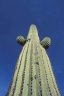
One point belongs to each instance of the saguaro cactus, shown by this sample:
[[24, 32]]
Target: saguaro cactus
[[33, 74]]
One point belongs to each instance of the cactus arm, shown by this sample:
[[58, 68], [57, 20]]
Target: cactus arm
[[46, 42]]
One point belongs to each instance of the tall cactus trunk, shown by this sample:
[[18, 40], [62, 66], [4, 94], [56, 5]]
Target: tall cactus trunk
[[33, 74]]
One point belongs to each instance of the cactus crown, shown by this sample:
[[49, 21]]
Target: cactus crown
[[46, 42]]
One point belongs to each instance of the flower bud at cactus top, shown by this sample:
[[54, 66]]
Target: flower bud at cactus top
[[21, 40], [46, 42]]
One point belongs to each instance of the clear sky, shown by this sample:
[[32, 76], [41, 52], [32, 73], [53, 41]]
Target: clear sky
[[15, 18]]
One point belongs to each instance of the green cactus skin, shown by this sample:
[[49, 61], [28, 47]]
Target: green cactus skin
[[46, 42], [33, 73], [21, 40]]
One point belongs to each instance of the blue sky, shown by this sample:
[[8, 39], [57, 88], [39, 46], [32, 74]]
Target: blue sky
[[15, 18]]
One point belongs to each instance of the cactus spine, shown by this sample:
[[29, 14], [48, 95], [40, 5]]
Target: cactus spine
[[33, 75]]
